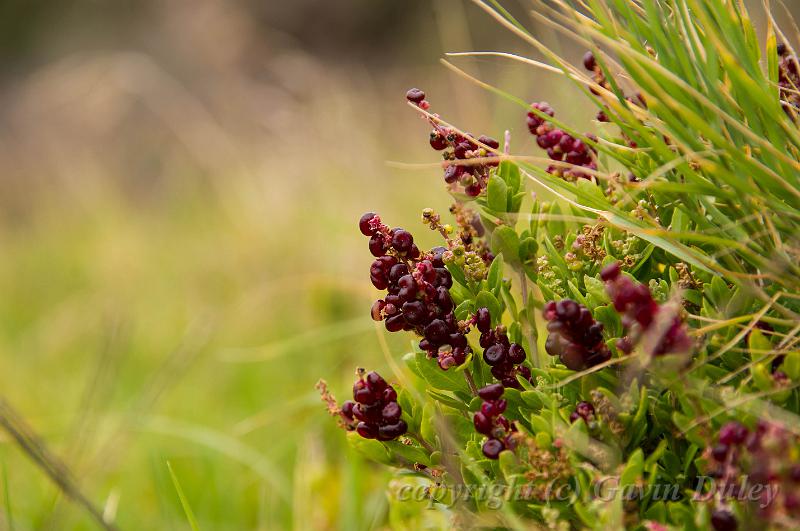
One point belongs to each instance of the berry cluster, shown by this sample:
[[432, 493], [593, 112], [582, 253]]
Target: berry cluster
[[375, 408], [788, 81], [504, 357], [584, 410], [561, 146], [639, 312], [759, 455], [468, 250], [418, 297], [590, 64], [574, 336], [490, 421], [468, 159]]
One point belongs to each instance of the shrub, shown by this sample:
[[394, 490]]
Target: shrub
[[624, 355]]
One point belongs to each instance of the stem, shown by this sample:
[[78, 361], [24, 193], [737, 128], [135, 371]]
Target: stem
[[417, 437], [32, 445], [529, 332], [470, 382]]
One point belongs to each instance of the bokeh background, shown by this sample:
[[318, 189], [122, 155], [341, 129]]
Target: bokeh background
[[180, 262]]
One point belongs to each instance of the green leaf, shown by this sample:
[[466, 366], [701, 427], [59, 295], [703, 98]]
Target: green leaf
[[596, 288], [369, 448], [497, 194], [465, 309], [506, 241], [494, 278], [187, 509], [539, 424], [509, 172], [758, 344], [791, 365], [430, 371], [527, 250], [413, 454], [633, 469]]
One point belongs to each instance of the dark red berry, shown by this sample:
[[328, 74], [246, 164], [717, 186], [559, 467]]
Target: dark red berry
[[516, 354], [391, 412], [494, 355], [438, 141], [584, 409], [436, 332], [610, 272], [363, 224], [491, 392], [375, 382], [347, 409], [483, 320], [567, 310], [492, 448], [389, 394], [368, 431], [720, 452], [395, 323], [473, 190], [483, 424], [732, 433], [589, 61], [415, 95], [377, 245], [723, 520], [415, 312], [375, 312], [489, 141], [392, 431], [402, 240], [364, 396]]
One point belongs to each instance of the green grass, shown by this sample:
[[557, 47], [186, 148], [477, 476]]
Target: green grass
[[133, 335]]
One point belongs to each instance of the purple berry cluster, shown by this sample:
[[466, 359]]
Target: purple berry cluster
[[561, 146], [375, 408], [468, 160], [574, 336], [760, 455], [788, 80], [639, 310], [583, 410], [590, 64], [490, 421], [505, 358], [418, 297]]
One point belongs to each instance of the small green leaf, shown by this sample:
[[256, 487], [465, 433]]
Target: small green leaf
[[369, 448], [758, 345], [506, 241], [596, 288], [465, 309], [509, 172], [497, 194], [633, 469], [413, 454], [791, 365], [430, 371], [494, 278]]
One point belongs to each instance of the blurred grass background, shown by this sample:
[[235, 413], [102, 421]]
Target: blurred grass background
[[179, 257]]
